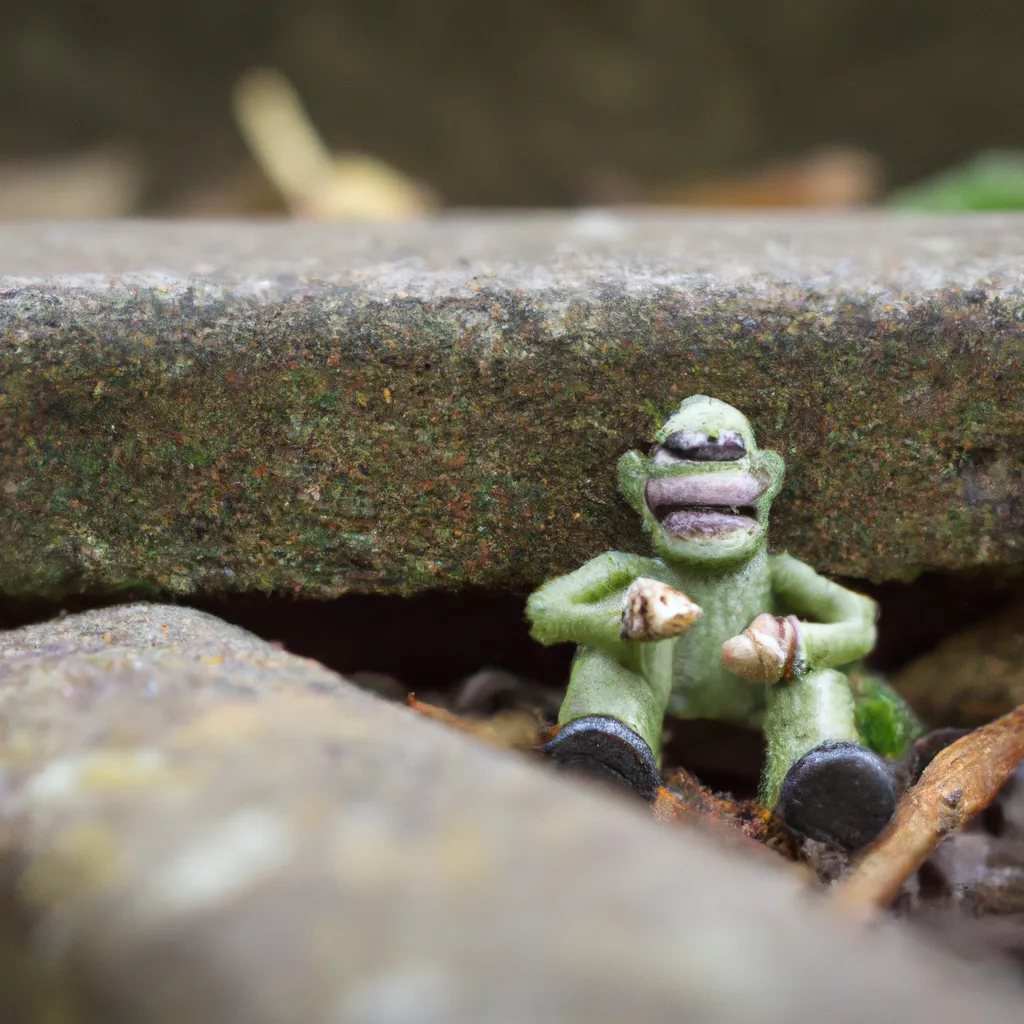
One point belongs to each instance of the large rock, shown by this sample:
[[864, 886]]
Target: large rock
[[220, 833], [321, 409]]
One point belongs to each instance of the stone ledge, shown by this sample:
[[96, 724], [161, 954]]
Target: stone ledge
[[238, 835], [224, 407]]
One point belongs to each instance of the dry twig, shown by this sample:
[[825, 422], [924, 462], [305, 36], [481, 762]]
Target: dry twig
[[960, 782]]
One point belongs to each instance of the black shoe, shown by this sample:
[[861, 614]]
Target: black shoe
[[605, 749], [838, 793]]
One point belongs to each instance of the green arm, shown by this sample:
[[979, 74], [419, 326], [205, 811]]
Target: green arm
[[844, 630], [585, 607]]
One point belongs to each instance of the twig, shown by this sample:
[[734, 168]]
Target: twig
[[960, 782]]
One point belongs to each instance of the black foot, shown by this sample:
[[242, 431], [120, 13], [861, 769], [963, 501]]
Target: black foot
[[604, 748], [838, 793]]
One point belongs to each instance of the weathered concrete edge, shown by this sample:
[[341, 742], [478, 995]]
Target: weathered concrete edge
[[403, 417]]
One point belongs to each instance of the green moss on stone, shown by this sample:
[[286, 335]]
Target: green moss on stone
[[209, 437]]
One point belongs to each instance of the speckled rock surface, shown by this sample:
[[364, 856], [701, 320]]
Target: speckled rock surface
[[140, 625], [322, 409], [202, 836]]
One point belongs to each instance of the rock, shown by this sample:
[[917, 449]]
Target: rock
[[136, 625], [533, 114], [318, 410], [972, 677], [189, 834]]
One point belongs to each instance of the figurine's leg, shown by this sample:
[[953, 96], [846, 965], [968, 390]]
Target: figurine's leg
[[818, 777], [611, 721]]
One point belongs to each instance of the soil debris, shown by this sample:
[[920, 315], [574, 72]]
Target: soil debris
[[508, 730], [960, 782]]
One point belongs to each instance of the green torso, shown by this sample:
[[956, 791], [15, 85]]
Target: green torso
[[730, 599]]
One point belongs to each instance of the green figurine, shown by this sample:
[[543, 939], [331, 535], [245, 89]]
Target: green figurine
[[715, 627]]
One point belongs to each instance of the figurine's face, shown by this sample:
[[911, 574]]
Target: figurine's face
[[705, 489]]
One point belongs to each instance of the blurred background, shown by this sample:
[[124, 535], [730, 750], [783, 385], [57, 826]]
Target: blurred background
[[342, 108]]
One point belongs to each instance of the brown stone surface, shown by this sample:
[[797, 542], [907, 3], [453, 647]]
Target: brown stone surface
[[972, 677], [197, 834], [318, 409]]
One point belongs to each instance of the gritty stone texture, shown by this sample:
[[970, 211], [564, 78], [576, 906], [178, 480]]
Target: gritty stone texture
[[208, 838], [322, 409]]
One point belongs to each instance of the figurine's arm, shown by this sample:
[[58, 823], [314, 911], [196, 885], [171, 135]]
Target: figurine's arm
[[773, 648], [844, 626], [585, 607]]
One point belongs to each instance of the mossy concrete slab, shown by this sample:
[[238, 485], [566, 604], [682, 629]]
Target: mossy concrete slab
[[210, 830], [320, 409]]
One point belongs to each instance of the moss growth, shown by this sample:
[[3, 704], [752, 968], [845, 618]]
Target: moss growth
[[882, 717], [343, 442]]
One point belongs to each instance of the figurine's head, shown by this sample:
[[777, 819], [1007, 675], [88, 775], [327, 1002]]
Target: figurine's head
[[705, 489]]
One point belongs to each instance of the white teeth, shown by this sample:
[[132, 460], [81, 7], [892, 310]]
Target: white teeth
[[652, 610]]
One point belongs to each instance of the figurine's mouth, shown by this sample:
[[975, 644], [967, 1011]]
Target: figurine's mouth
[[705, 505]]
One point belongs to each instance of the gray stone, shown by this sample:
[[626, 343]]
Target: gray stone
[[138, 625], [322, 409], [204, 836]]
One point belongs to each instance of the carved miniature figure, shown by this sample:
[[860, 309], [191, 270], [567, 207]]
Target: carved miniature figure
[[715, 627]]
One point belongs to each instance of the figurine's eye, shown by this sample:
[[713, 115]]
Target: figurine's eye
[[726, 446]]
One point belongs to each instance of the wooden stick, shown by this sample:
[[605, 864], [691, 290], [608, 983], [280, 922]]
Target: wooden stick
[[961, 781]]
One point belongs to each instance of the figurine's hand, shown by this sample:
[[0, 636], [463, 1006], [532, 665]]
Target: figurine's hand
[[765, 652], [652, 610]]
